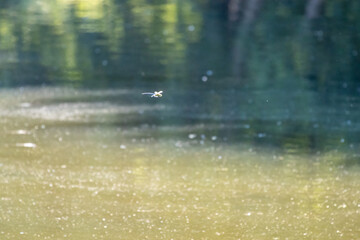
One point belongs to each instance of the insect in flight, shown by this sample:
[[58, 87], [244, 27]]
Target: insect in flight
[[154, 94]]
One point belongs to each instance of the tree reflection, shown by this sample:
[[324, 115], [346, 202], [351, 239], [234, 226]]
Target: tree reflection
[[296, 55]]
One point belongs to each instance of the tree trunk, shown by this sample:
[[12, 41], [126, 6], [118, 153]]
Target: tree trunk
[[313, 8], [250, 11], [234, 8], [252, 8]]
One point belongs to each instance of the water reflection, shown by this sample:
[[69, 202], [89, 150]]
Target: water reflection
[[257, 136], [260, 122]]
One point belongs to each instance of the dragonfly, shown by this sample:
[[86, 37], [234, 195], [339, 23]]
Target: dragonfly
[[154, 94]]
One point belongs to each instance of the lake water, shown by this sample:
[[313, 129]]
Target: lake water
[[255, 137]]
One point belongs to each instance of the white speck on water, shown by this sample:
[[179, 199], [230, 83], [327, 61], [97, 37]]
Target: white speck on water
[[192, 135], [191, 28], [26, 145], [25, 105], [214, 138], [21, 233], [21, 132], [248, 214], [178, 144], [342, 205], [220, 157], [209, 73], [122, 146], [204, 78], [63, 166], [261, 135], [342, 140]]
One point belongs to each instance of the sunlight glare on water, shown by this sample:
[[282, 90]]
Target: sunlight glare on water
[[84, 173], [256, 136]]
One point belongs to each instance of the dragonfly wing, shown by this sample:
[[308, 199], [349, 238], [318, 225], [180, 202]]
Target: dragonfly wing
[[147, 93]]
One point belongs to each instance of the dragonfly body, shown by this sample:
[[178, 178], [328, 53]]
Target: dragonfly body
[[154, 94]]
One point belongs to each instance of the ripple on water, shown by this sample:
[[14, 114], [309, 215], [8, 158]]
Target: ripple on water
[[26, 145], [20, 132]]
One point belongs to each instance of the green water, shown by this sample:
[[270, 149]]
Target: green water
[[69, 171], [255, 137]]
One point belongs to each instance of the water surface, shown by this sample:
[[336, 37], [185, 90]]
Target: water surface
[[256, 136], [76, 169]]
